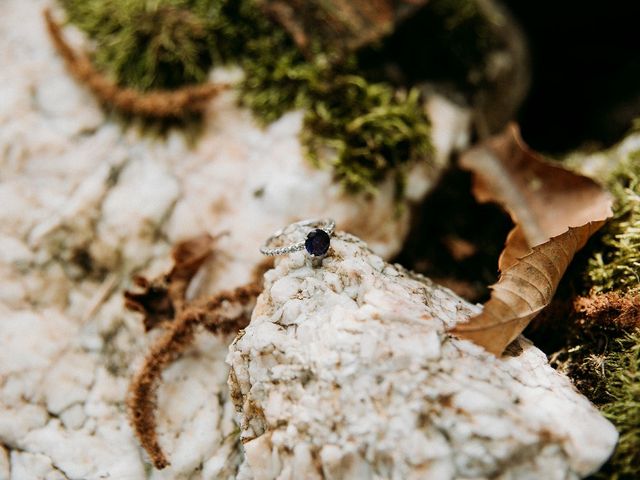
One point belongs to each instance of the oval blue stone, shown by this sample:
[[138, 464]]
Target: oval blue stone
[[317, 242]]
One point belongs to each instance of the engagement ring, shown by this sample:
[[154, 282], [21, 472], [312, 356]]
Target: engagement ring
[[318, 238]]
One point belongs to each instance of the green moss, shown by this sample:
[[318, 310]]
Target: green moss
[[615, 266], [371, 128], [603, 352], [147, 44], [602, 358], [368, 128], [622, 380]]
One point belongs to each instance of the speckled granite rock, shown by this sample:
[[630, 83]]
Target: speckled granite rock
[[346, 372], [87, 201]]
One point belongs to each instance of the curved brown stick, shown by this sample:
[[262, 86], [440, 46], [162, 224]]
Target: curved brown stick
[[155, 104], [142, 401], [143, 389]]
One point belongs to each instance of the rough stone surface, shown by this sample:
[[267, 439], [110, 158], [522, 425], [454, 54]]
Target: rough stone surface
[[86, 201], [346, 371]]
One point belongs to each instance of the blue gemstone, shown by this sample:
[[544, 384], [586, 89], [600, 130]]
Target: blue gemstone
[[317, 242]]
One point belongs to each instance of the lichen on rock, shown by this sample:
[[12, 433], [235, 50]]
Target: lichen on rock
[[346, 371]]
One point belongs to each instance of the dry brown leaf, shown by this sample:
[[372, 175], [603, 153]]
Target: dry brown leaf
[[555, 212]]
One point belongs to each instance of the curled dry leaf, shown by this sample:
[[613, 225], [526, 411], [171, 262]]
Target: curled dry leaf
[[555, 212]]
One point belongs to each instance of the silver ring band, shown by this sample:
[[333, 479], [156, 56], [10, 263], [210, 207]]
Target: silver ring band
[[328, 225]]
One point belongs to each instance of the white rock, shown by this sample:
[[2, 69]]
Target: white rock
[[68, 381], [92, 453], [17, 421], [30, 341], [4, 463], [29, 466], [359, 379], [85, 203], [599, 164]]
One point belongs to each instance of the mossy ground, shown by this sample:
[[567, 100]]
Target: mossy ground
[[174, 34], [622, 378], [614, 267], [598, 344]]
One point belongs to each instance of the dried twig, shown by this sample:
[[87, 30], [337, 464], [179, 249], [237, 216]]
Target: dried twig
[[180, 335], [155, 104], [143, 388], [163, 304]]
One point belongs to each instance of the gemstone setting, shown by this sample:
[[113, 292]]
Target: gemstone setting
[[317, 242]]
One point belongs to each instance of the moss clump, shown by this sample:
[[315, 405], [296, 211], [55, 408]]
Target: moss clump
[[147, 44], [602, 357], [365, 129], [623, 387], [616, 265], [370, 128], [603, 350]]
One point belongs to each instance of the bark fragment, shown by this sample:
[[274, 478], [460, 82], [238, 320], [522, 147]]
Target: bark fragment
[[610, 310], [162, 297]]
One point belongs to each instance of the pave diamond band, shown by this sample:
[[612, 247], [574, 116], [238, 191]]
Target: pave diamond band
[[316, 242]]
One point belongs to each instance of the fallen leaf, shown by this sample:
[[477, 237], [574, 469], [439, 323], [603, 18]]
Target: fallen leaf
[[555, 212]]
